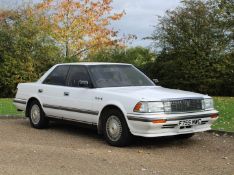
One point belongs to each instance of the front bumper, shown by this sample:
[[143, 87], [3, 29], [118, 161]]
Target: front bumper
[[20, 104], [142, 125]]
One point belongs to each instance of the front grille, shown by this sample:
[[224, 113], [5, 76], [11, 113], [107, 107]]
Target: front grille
[[186, 105]]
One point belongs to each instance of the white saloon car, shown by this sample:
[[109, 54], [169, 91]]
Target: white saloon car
[[116, 98]]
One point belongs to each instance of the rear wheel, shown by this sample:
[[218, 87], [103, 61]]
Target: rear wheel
[[115, 128], [37, 116], [184, 136]]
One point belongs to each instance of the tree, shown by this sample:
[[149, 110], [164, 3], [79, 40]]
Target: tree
[[79, 25], [139, 56], [25, 51], [194, 42]]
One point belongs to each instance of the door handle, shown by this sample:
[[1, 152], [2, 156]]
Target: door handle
[[66, 93], [40, 90]]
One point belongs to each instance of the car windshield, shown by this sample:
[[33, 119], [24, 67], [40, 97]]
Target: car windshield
[[118, 76]]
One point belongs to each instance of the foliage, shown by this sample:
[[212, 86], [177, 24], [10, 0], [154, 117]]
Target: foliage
[[25, 51], [138, 56], [196, 47], [37, 36], [79, 26], [195, 43]]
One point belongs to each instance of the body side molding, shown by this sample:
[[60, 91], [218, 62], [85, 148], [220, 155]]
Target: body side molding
[[86, 111]]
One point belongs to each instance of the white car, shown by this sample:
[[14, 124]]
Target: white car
[[116, 98]]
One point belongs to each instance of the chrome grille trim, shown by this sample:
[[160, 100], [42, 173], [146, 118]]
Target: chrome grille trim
[[185, 105]]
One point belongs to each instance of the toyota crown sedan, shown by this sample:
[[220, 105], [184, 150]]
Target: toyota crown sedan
[[118, 99]]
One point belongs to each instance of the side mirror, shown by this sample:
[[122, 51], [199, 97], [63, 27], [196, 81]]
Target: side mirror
[[155, 81], [83, 83]]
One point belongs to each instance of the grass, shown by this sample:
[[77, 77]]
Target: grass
[[8, 109], [225, 106]]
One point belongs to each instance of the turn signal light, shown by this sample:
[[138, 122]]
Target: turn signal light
[[159, 121], [214, 115], [137, 107]]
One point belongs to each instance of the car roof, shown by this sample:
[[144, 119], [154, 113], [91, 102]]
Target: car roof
[[93, 63]]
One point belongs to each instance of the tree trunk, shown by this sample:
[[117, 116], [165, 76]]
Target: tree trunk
[[67, 54]]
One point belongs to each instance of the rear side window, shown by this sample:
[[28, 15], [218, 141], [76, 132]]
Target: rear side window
[[78, 74], [57, 76]]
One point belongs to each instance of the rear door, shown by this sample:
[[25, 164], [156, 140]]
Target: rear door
[[51, 91]]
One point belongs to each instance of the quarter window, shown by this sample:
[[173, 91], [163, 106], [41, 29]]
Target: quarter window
[[57, 76]]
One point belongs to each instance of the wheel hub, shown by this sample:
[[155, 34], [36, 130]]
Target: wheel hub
[[113, 128], [35, 114]]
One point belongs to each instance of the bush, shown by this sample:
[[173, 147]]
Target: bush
[[25, 51]]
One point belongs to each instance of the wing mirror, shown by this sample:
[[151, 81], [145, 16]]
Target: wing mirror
[[83, 83], [155, 81]]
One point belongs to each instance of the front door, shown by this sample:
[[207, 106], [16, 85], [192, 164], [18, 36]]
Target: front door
[[79, 96]]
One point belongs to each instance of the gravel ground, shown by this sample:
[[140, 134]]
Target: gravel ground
[[67, 149]]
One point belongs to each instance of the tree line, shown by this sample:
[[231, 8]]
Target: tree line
[[196, 43], [192, 45]]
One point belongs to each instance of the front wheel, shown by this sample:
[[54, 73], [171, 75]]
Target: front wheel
[[116, 130], [37, 116]]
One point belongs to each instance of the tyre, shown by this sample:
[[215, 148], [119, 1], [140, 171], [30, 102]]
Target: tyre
[[115, 129], [37, 116], [184, 136]]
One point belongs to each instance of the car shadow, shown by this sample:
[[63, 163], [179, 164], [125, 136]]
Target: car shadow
[[88, 132], [77, 129], [162, 142], [91, 133]]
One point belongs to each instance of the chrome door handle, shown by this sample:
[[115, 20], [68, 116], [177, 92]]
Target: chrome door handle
[[66, 93]]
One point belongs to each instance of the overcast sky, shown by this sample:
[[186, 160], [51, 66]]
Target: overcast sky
[[141, 16], [139, 19]]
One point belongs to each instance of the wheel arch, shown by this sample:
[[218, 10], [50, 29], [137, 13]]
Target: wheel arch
[[106, 108], [28, 104]]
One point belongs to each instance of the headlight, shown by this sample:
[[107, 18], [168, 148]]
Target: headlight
[[150, 107], [167, 106], [208, 103]]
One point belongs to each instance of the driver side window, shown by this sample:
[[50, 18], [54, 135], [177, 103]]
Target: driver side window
[[78, 77]]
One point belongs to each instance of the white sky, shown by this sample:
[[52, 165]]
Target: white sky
[[141, 16], [139, 19]]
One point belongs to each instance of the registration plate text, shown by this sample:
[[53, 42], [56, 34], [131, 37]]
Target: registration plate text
[[190, 122]]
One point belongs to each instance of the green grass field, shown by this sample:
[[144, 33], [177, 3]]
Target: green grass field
[[225, 106], [8, 109]]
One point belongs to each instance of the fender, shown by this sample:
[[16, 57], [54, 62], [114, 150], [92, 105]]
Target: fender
[[118, 105], [36, 97]]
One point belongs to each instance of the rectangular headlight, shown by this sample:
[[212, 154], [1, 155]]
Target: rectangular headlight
[[155, 107], [208, 104]]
